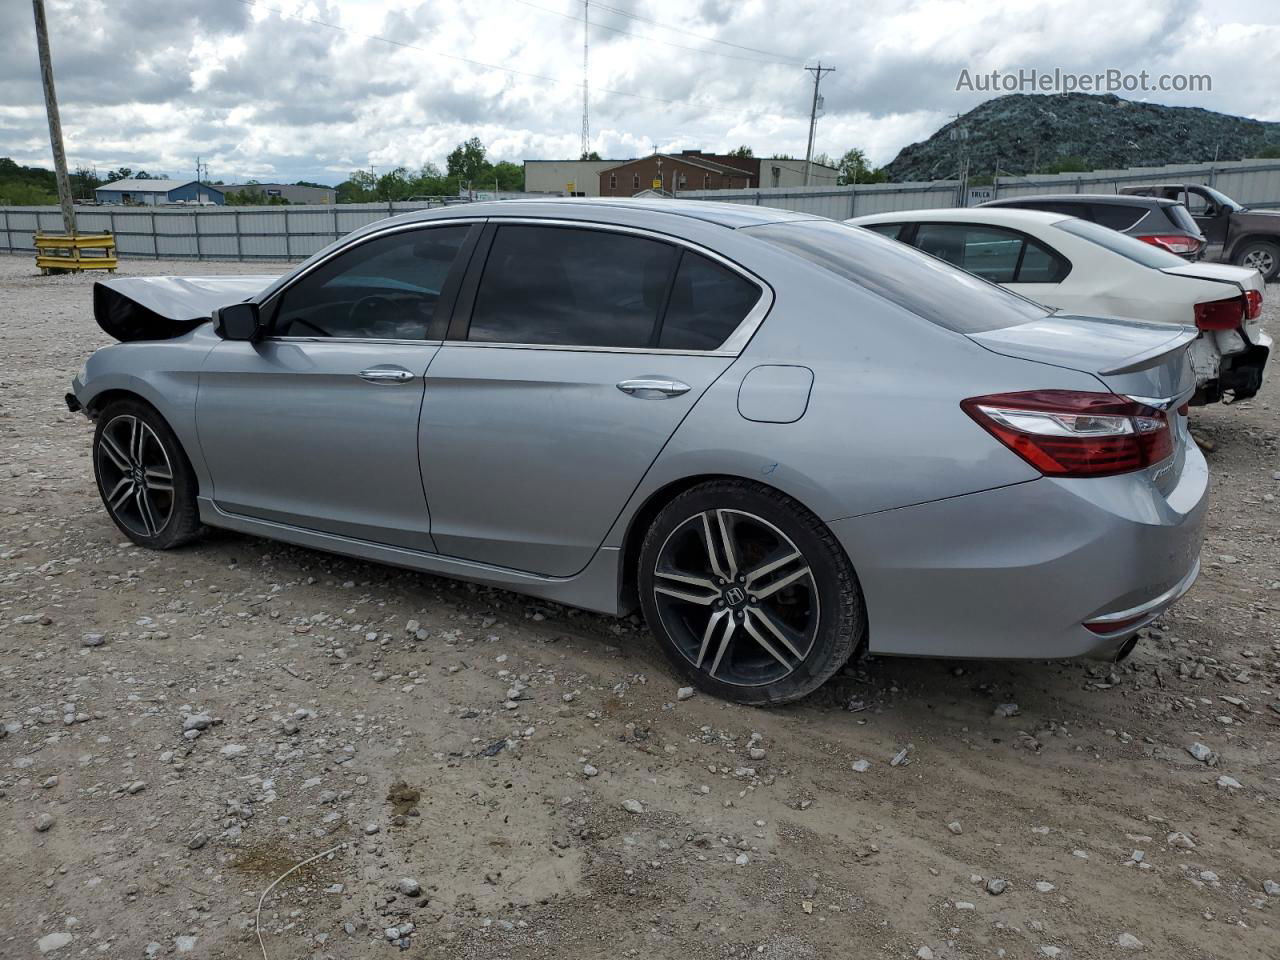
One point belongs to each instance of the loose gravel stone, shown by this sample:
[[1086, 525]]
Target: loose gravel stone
[[43, 822], [633, 806]]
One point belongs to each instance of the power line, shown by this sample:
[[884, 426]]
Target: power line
[[737, 46], [668, 43], [448, 56]]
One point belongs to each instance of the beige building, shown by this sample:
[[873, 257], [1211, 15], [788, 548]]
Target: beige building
[[561, 178]]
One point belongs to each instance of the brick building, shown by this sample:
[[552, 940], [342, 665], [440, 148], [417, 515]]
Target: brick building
[[695, 170], [687, 170]]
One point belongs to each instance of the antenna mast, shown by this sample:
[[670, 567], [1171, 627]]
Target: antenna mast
[[586, 123]]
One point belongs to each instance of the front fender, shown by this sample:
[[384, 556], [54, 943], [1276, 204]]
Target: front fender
[[165, 374]]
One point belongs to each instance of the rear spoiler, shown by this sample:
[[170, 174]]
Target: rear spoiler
[[161, 308], [1152, 357]]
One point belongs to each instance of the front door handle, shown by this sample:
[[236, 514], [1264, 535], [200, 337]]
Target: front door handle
[[653, 388], [387, 375]]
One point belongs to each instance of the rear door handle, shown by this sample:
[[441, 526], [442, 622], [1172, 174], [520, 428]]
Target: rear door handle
[[387, 375], [653, 388]]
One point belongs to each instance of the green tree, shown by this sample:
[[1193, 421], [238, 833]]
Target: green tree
[[83, 182], [467, 161], [1068, 165], [591, 155], [123, 173], [742, 151]]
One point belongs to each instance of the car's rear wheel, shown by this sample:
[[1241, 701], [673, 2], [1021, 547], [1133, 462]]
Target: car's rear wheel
[[749, 594], [146, 483], [1260, 255]]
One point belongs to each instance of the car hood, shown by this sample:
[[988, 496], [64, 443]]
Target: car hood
[[1270, 219], [160, 308]]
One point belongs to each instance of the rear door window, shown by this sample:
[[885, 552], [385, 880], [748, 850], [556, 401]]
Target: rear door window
[[993, 253], [568, 286]]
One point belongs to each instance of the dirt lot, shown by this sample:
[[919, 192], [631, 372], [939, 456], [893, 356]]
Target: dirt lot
[[469, 751]]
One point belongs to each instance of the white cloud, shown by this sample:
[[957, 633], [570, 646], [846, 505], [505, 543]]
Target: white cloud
[[153, 83]]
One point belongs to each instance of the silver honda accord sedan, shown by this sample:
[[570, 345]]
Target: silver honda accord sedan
[[782, 438]]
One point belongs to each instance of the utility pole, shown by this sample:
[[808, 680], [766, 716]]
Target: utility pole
[[55, 124], [817, 72], [586, 123]]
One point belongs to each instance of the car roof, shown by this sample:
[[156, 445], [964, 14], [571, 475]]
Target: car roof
[[1007, 216], [1123, 198], [731, 215]]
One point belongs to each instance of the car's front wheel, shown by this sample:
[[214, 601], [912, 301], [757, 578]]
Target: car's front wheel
[[749, 594], [1260, 255], [146, 483]]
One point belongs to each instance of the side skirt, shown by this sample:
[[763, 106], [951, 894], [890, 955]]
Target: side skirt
[[596, 588]]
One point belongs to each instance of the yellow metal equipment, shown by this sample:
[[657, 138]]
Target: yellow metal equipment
[[59, 253]]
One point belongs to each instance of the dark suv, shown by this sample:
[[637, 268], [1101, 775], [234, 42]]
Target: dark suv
[[1235, 234], [1154, 220]]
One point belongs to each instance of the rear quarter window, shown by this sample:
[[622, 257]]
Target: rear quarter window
[[932, 289]]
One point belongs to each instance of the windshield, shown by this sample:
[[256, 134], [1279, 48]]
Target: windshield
[[1222, 200], [1121, 243], [928, 287]]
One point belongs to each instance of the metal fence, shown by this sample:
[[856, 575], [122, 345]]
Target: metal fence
[[204, 233], [1255, 183], [840, 203], [296, 232]]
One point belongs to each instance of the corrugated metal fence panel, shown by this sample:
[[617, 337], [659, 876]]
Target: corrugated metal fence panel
[[840, 203], [296, 232]]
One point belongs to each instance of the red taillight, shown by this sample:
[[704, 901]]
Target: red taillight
[[1070, 433], [1177, 243], [1252, 304], [1220, 314]]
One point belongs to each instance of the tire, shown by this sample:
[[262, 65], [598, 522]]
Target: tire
[[768, 625], [1261, 255], [134, 448]]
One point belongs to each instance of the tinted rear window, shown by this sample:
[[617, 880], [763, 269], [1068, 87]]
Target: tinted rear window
[[929, 288], [1181, 217], [1117, 216], [1123, 244]]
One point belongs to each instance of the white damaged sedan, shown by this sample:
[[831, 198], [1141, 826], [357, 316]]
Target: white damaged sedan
[[1076, 266]]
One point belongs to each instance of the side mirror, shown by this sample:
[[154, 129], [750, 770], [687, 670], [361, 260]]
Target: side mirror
[[238, 321]]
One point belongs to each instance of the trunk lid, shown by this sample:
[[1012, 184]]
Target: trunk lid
[[1131, 357], [1238, 277], [160, 308]]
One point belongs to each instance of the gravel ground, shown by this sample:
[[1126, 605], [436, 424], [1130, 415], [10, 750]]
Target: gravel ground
[[507, 778]]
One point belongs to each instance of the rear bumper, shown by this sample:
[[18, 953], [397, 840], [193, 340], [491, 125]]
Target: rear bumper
[[1016, 572]]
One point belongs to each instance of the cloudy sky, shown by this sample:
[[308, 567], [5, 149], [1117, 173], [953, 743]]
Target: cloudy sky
[[312, 89]]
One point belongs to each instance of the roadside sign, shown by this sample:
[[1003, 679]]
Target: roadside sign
[[656, 184], [571, 188], [979, 195]]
